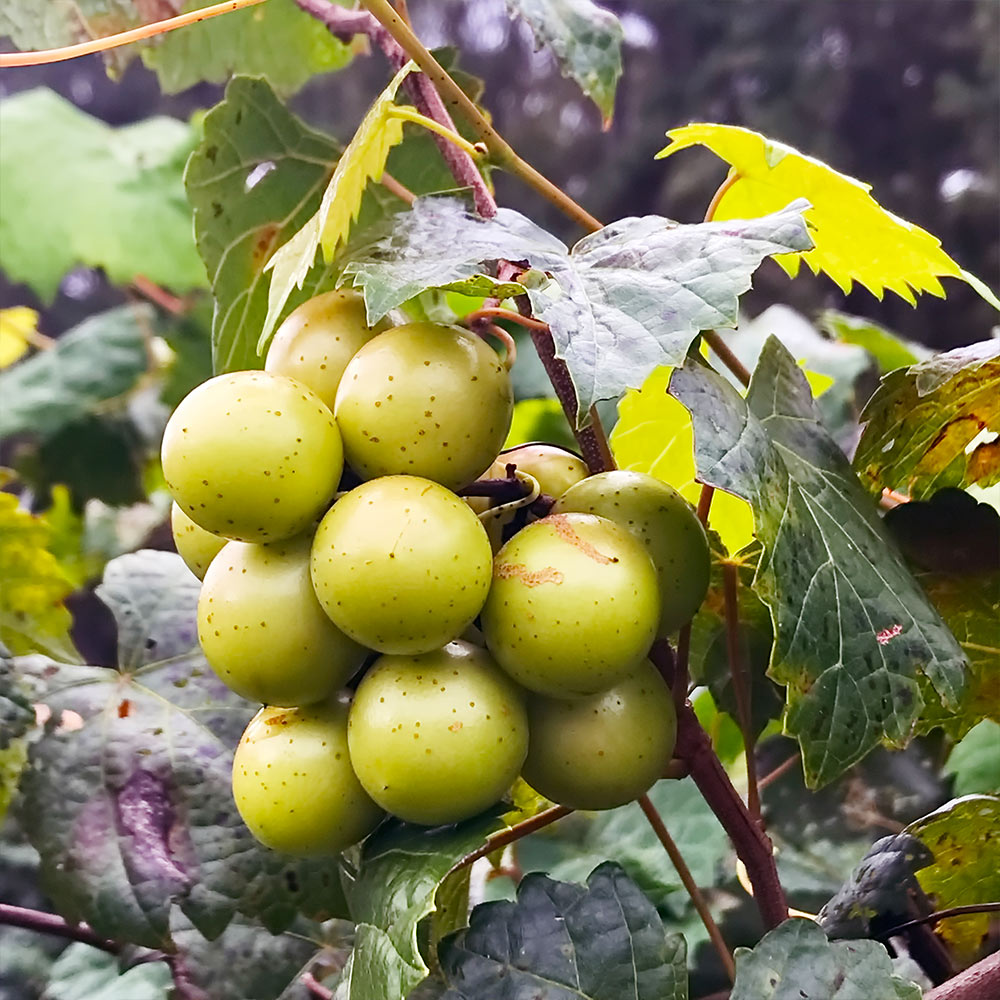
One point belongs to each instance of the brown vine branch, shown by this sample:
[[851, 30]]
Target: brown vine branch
[[10, 59], [741, 680], [52, 923], [511, 835], [677, 859], [979, 982]]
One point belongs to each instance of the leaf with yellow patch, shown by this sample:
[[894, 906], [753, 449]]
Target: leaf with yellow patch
[[17, 326], [363, 160], [856, 239], [33, 617]]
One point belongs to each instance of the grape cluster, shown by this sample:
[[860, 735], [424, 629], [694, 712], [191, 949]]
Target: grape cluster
[[416, 650]]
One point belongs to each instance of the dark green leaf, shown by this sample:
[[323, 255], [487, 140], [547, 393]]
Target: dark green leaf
[[276, 40], [74, 190], [586, 39], [795, 961], [133, 812], [853, 630], [626, 299], [925, 422], [975, 761], [566, 942], [887, 348], [393, 889], [96, 361]]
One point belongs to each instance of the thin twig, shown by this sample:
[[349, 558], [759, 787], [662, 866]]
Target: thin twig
[[713, 206], [662, 834], [933, 918], [401, 191], [168, 302], [52, 923], [9, 59], [782, 769], [511, 835], [315, 987], [705, 503], [741, 679], [495, 312], [725, 354]]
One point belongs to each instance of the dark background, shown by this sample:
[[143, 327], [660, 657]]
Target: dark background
[[904, 94]]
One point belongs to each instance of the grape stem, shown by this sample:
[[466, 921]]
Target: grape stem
[[51, 923], [511, 835]]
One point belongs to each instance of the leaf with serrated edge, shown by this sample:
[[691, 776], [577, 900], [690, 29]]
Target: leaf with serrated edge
[[133, 219], [853, 630], [923, 422], [133, 812], [964, 839], [586, 41], [796, 960], [625, 299], [604, 941], [856, 239], [363, 160]]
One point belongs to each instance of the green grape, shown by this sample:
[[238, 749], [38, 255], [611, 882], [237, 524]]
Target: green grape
[[605, 750], [667, 526], [263, 631], [317, 339], [196, 546], [294, 785], [555, 468], [438, 737], [424, 400], [252, 456], [573, 607], [401, 564]]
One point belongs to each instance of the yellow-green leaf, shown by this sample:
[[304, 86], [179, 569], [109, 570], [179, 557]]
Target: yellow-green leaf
[[33, 617], [363, 160], [17, 325], [654, 435], [856, 239]]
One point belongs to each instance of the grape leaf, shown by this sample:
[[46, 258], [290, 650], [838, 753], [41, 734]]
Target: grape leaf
[[363, 160], [975, 761], [51, 152], [853, 630], [856, 239], [567, 942], [100, 359], [33, 617], [391, 891], [276, 40], [924, 422], [133, 812], [585, 39], [962, 835], [85, 973], [624, 300], [795, 961], [18, 325], [887, 348]]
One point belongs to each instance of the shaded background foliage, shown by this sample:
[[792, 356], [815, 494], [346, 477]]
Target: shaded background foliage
[[902, 93]]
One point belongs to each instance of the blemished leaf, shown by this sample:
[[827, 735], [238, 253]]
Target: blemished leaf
[[586, 40], [100, 359], [572, 848], [887, 348], [276, 40], [256, 176], [33, 617], [561, 941], [853, 630], [962, 836], [52, 151], [975, 761], [363, 160], [624, 300], [856, 239], [934, 424], [795, 961], [17, 326], [391, 891], [133, 812]]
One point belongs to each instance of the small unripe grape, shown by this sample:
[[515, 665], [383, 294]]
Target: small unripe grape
[[424, 400], [573, 606], [605, 750], [252, 456], [437, 738], [317, 339], [263, 631], [667, 526], [294, 785], [555, 468], [196, 546], [401, 564]]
